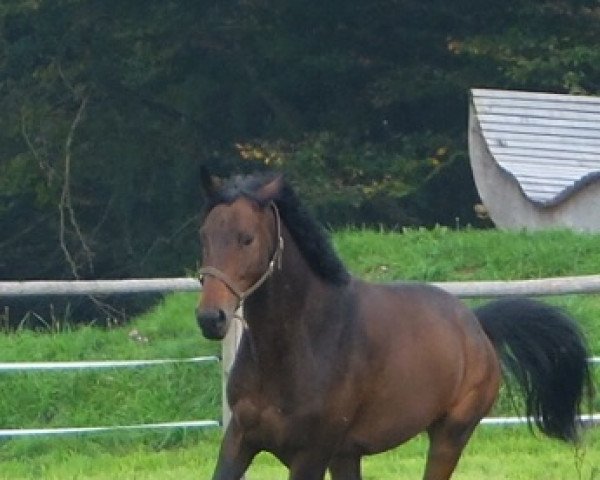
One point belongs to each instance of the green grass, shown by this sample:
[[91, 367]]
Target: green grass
[[493, 453], [443, 254], [190, 391], [114, 396]]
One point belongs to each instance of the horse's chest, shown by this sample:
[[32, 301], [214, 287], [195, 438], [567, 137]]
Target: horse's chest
[[271, 427]]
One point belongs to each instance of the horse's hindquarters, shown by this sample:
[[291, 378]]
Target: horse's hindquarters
[[428, 360]]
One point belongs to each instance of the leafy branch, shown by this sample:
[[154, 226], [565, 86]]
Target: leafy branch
[[65, 207]]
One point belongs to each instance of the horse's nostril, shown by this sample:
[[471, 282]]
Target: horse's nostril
[[212, 322], [211, 316]]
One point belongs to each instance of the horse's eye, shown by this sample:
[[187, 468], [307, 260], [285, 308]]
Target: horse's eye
[[245, 239]]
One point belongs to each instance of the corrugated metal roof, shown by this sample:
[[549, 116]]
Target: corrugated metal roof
[[549, 142]]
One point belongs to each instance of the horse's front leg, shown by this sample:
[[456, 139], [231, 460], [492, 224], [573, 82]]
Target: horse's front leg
[[345, 468], [235, 455], [309, 465]]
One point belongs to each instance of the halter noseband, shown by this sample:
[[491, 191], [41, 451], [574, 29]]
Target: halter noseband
[[275, 261]]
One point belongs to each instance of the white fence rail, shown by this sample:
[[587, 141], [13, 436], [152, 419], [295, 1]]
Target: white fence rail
[[82, 365], [480, 289], [29, 432]]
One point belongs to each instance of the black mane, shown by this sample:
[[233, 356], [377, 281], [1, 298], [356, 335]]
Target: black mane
[[310, 237]]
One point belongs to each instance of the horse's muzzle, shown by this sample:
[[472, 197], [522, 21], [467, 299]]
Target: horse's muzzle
[[213, 323]]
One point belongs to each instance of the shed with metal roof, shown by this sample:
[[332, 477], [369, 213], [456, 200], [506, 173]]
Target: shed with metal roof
[[536, 158]]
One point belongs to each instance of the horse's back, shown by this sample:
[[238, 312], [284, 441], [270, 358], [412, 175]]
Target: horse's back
[[415, 316], [426, 351]]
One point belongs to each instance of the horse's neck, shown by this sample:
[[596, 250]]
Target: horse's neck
[[279, 313]]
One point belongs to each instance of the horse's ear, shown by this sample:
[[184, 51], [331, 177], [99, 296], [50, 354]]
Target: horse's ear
[[210, 183], [271, 189]]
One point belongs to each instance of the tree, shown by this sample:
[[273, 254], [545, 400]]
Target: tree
[[110, 107]]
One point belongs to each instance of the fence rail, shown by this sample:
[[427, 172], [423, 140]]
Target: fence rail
[[101, 364], [29, 432], [534, 287], [542, 286], [95, 364], [482, 289], [99, 287]]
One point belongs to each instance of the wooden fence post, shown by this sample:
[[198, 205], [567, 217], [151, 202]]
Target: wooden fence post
[[230, 346]]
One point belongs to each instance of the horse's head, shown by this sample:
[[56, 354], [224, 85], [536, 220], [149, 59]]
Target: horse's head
[[241, 243]]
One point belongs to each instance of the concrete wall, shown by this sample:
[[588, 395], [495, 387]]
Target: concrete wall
[[508, 206]]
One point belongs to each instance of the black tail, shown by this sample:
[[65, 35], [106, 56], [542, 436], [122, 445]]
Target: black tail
[[544, 350]]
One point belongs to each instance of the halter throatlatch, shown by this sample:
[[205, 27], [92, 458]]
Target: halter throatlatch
[[242, 295]]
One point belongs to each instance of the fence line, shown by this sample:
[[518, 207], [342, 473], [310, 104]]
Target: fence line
[[26, 432], [98, 287], [591, 418], [481, 289], [533, 287], [101, 364], [539, 286], [97, 364]]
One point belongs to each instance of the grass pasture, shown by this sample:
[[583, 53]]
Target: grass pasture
[[493, 454], [185, 392]]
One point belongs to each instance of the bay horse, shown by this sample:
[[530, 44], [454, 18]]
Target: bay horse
[[331, 368]]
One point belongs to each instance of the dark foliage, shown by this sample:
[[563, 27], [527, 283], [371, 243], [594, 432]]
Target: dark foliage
[[110, 108]]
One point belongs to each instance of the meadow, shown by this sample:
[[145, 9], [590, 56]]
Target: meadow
[[191, 391]]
